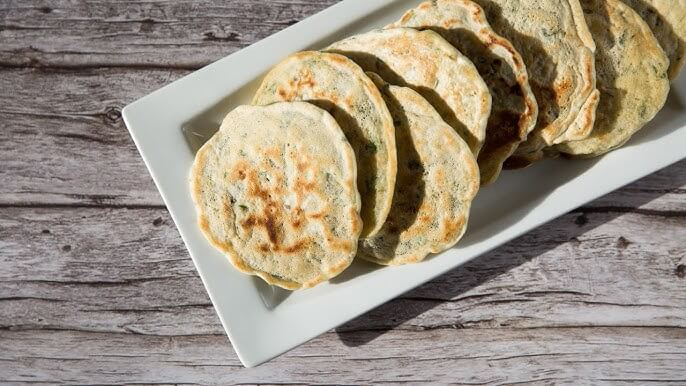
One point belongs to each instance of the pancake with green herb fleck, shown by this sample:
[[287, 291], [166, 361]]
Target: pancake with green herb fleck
[[437, 179], [553, 39], [463, 24], [425, 62], [336, 84], [632, 76], [275, 191], [667, 20]]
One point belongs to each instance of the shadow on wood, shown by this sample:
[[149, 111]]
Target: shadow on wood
[[366, 328]]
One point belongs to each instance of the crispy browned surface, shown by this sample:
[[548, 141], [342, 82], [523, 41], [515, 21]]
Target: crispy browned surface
[[275, 191], [335, 83]]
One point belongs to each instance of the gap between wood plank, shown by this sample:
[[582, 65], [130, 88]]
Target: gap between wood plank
[[47, 67], [95, 205], [83, 205], [372, 329]]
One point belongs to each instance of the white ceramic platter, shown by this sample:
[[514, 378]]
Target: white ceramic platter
[[263, 321]]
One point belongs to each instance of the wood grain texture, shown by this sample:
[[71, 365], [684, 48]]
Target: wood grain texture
[[97, 162], [142, 34], [49, 253], [97, 287], [486, 356], [69, 282], [85, 123]]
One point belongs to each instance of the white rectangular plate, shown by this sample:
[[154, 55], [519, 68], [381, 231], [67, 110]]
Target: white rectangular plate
[[263, 321]]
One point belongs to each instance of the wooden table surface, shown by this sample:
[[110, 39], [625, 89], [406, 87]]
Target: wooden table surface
[[97, 287]]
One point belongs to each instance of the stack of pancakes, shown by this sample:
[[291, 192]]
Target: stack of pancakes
[[376, 145]]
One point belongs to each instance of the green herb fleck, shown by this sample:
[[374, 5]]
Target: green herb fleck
[[547, 33], [642, 111]]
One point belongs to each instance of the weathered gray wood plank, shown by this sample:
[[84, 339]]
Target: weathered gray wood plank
[[119, 270], [544, 356], [91, 265], [85, 124], [73, 147], [177, 34]]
